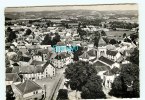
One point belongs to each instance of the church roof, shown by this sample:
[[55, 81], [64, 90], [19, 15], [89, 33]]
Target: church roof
[[92, 52], [101, 42], [84, 55]]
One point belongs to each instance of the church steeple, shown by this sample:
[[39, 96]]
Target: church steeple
[[101, 42]]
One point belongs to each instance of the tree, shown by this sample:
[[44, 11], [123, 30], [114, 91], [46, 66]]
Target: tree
[[106, 39], [103, 33], [28, 32], [124, 35], [96, 38], [9, 93], [77, 53], [126, 85], [83, 77], [134, 58], [113, 41], [93, 89], [62, 94], [11, 35], [49, 40]]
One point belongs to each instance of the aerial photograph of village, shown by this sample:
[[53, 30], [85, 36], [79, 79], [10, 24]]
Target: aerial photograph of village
[[72, 52]]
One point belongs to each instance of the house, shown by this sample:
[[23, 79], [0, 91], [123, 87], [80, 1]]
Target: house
[[90, 55], [38, 71], [49, 70], [25, 61], [14, 64], [45, 54], [28, 90], [126, 60], [61, 59], [111, 54], [37, 57], [12, 78]]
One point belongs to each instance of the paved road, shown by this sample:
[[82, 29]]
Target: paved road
[[51, 84]]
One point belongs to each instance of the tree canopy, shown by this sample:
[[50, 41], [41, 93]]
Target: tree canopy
[[48, 40], [134, 58], [126, 85], [83, 77], [113, 41], [62, 94]]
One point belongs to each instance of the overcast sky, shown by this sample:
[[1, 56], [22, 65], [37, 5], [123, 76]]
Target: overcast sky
[[84, 7]]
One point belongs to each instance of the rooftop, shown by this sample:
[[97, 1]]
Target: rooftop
[[84, 56], [101, 42], [111, 52], [100, 66], [28, 86], [106, 60], [25, 59], [12, 77]]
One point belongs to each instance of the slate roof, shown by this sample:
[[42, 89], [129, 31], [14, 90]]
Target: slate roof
[[28, 86], [61, 44], [15, 69], [12, 77], [30, 69], [62, 56], [110, 52], [25, 59], [46, 64], [106, 60], [9, 69], [100, 66], [34, 62], [92, 60], [84, 56], [92, 52]]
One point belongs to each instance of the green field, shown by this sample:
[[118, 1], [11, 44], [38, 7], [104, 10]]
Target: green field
[[118, 33]]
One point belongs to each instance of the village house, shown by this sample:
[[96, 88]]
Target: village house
[[28, 90], [12, 78], [111, 54], [25, 61], [61, 59], [37, 57], [45, 54], [37, 70]]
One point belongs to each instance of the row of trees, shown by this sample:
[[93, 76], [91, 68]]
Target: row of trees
[[116, 24], [83, 77]]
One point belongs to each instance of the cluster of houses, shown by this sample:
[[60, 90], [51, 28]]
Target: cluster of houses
[[28, 60]]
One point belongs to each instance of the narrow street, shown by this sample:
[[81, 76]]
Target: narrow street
[[52, 85]]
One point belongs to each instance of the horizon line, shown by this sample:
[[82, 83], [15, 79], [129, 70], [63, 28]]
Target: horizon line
[[71, 7]]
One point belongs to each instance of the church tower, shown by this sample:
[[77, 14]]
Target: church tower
[[101, 48]]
